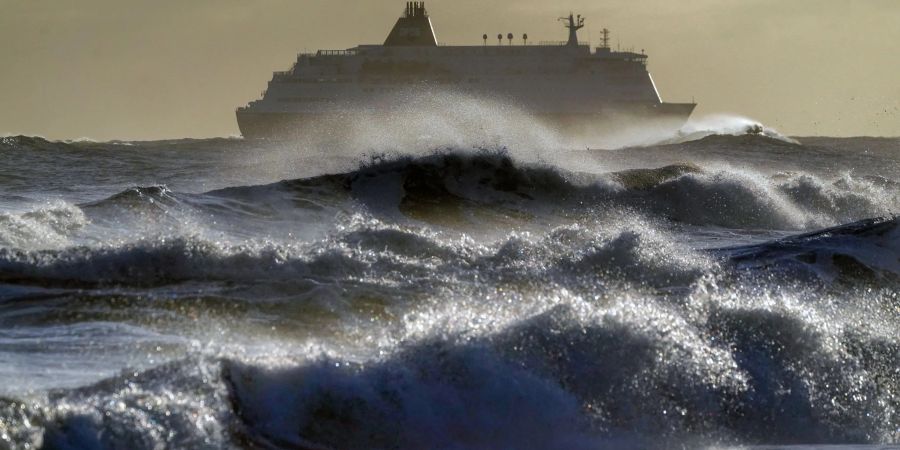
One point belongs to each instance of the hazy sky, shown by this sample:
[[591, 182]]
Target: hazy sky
[[178, 68]]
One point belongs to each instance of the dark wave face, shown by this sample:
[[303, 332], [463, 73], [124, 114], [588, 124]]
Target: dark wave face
[[712, 290]]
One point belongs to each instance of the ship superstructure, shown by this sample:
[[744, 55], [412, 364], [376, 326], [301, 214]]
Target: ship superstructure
[[567, 84]]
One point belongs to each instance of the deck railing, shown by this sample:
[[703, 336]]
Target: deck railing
[[561, 43]]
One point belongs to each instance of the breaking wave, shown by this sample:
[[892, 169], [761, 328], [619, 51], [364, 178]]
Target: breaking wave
[[48, 226], [456, 183], [726, 126], [577, 373], [178, 237], [368, 249], [684, 193], [455, 299]]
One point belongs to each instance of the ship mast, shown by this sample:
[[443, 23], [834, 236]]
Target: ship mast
[[604, 38], [573, 24]]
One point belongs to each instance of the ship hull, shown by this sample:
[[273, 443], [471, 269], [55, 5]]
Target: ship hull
[[286, 126]]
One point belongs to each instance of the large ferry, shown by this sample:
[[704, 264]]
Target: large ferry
[[566, 85]]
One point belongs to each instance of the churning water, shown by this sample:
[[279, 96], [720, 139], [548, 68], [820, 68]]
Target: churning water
[[715, 289]]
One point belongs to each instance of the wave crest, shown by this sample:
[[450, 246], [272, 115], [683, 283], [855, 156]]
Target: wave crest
[[472, 188], [865, 251]]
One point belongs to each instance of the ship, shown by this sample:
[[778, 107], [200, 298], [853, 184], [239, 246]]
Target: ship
[[567, 85]]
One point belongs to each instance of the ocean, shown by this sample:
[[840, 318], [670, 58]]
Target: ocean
[[713, 289]]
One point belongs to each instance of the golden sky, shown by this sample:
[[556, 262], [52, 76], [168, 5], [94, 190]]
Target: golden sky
[[150, 69]]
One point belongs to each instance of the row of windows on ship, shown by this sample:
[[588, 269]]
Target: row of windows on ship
[[445, 50], [439, 80], [382, 90]]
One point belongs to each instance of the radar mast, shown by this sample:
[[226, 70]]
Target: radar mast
[[604, 38]]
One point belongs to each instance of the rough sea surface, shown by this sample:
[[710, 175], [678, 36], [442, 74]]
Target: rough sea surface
[[714, 289]]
